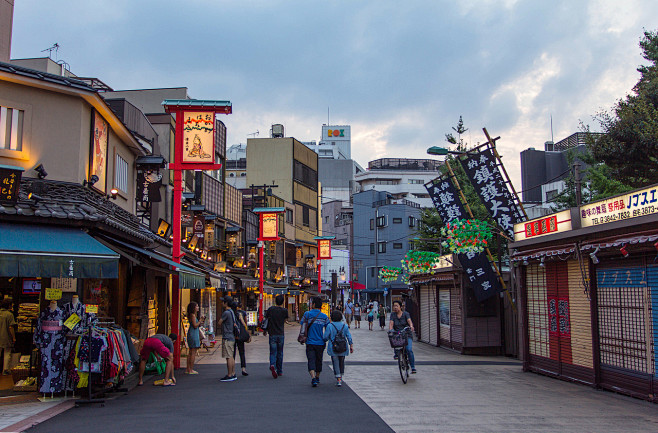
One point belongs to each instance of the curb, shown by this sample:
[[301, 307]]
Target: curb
[[39, 417]]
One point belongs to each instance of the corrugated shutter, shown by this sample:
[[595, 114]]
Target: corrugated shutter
[[580, 315], [424, 314], [625, 336], [652, 281], [538, 340], [456, 316], [433, 314], [443, 329]]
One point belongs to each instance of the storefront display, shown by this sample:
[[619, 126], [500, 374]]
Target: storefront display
[[50, 338]]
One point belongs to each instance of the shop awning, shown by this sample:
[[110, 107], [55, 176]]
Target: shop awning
[[54, 252], [358, 286], [188, 278]]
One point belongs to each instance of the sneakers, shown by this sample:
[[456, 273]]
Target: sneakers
[[228, 378], [280, 373], [339, 382], [244, 373], [395, 357], [413, 371], [274, 373], [314, 382]]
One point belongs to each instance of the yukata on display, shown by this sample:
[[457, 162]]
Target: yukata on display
[[109, 356], [50, 338]]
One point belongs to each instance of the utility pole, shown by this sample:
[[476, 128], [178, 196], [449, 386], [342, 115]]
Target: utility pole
[[577, 183], [334, 288]]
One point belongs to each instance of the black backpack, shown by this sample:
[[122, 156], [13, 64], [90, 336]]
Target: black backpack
[[340, 342]]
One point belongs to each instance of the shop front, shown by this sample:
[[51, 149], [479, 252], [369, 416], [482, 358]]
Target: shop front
[[588, 283]]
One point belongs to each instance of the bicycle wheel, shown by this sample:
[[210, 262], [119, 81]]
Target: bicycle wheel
[[403, 365]]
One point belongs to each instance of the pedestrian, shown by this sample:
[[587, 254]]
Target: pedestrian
[[239, 344], [227, 325], [337, 334], [7, 333], [399, 320], [162, 347], [357, 315], [193, 338], [316, 322], [277, 316], [349, 310], [371, 316], [381, 314]]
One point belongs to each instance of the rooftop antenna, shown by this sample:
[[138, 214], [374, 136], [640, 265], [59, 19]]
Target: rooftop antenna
[[552, 129], [254, 134], [328, 117], [50, 50]]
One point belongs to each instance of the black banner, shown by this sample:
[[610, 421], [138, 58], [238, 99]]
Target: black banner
[[148, 186], [490, 186], [10, 180], [482, 278]]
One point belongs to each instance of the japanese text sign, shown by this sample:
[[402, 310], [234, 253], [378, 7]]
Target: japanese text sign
[[324, 249], [10, 180], [489, 184], [72, 321], [91, 309], [631, 205], [53, 294], [269, 226], [555, 223], [149, 183], [198, 137]]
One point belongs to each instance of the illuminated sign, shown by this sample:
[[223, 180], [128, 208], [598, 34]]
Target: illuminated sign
[[10, 180], [623, 207], [198, 137], [443, 262], [269, 226], [335, 133], [555, 223], [324, 249]]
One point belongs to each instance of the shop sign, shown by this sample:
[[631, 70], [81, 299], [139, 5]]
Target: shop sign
[[10, 180], [444, 308], [299, 262], [148, 186], [209, 237], [623, 207], [251, 318], [72, 321], [193, 243], [291, 299], [443, 262], [66, 285], [199, 229], [186, 219], [53, 294], [324, 249], [555, 223], [91, 308], [335, 133], [269, 230], [198, 137], [163, 228], [98, 154], [220, 267]]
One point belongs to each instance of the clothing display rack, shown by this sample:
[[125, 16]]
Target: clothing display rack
[[90, 397]]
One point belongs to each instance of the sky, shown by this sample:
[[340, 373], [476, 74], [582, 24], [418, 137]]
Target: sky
[[400, 73]]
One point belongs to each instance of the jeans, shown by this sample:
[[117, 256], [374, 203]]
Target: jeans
[[276, 352], [239, 347], [339, 365], [314, 355], [412, 360]]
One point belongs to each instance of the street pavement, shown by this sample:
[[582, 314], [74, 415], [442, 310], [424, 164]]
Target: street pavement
[[451, 393]]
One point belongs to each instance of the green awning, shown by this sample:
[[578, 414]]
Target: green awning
[[53, 252], [188, 278]]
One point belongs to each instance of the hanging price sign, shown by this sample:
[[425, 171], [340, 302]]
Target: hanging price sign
[[92, 309], [72, 321], [53, 294]]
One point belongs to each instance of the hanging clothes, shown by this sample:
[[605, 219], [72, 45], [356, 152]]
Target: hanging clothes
[[50, 338]]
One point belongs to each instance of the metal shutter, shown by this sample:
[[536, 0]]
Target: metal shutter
[[652, 281], [537, 310], [424, 314], [444, 329], [580, 315], [433, 314]]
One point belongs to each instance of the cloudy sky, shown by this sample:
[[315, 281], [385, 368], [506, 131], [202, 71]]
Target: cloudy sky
[[400, 73]]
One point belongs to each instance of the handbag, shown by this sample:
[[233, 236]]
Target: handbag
[[301, 338], [264, 324]]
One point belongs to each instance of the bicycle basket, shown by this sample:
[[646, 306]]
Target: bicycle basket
[[397, 339]]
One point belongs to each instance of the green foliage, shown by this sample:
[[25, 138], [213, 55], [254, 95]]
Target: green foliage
[[630, 144]]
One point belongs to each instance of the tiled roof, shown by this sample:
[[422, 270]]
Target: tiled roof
[[44, 76], [72, 201]]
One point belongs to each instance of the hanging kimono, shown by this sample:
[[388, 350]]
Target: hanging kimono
[[50, 338]]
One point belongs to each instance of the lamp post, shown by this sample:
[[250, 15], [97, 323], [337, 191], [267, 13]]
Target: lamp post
[[268, 231], [324, 253]]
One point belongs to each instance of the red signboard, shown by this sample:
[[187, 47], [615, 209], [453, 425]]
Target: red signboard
[[541, 227], [269, 226], [324, 249]]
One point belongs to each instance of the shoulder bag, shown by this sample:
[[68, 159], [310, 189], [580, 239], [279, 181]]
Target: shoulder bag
[[303, 330]]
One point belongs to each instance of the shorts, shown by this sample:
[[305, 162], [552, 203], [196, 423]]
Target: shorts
[[357, 317], [371, 318], [153, 345], [228, 348]]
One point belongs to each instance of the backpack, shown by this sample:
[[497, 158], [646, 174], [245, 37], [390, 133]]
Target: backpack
[[339, 344]]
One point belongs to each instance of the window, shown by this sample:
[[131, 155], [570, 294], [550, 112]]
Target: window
[[397, 246], [397, 220], [121, 174], [381, 221], [386, 182], [373, 271], [306, 216], [325, 152], [305, 175], [326, 220], [11, 128], [416, 181], [372, 224], [372, 248], [412, 221], [412, 245], [551, 195], [381, 247], [289, 218]]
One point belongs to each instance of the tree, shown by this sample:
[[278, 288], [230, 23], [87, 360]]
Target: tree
[[629, 146]]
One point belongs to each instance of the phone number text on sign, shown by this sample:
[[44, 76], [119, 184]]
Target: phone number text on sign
[[633, 205]]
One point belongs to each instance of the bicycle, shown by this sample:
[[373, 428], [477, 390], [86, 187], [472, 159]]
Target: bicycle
[[398, 341]]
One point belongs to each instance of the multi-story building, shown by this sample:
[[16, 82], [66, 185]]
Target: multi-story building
[[402, 178], [236, 166], [384, 228], [336, 142]]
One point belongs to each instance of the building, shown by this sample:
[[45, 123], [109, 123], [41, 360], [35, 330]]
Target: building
[[402, 178], [236, 166], [384, 229], [336, 142]]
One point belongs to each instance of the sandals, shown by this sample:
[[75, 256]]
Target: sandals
[[170, 383]]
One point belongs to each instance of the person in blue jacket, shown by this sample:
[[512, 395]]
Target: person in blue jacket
[[338, 359], [316, 321]]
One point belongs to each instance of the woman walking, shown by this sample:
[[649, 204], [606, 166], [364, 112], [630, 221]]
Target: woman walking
[[371, 316], [382, 316], [193, 339], [241, 316], [357, 315], [338, 334]]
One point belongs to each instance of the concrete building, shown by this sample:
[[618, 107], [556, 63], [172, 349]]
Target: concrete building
[[383, 232], [336, 142], [236, 166], [402, 178]]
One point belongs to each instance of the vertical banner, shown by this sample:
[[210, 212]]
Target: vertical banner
[[199, 229], [483, 172], [149, 183], [482, 277], [98, 163], [10, 181], [198, 137]]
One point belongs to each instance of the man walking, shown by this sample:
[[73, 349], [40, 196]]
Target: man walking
[[277, 317], [226, 324], [7, 333], [349, 309], [316, 322]]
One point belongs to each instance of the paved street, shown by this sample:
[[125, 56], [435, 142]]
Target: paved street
[[450, 393]]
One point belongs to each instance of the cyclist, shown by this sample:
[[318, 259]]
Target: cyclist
[[399, 320]]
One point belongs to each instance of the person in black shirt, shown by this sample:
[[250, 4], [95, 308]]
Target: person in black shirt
[[241, 316], [277, 317], [399, 320]]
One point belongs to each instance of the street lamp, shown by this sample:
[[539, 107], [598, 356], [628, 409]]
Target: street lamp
[[436, 150]]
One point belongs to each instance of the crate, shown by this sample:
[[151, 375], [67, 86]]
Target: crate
[[28, 388], [21, 372]]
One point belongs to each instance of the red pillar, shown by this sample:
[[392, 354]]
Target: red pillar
[[176, 256], [261, 277]]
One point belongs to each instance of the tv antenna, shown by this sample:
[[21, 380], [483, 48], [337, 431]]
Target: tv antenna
[[254, 134], [50, 50]]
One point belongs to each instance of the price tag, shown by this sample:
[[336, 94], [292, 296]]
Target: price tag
[[53, 294], [72, 321], [93, 309]]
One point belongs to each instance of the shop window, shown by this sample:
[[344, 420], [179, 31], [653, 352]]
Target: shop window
[[121, 174]]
